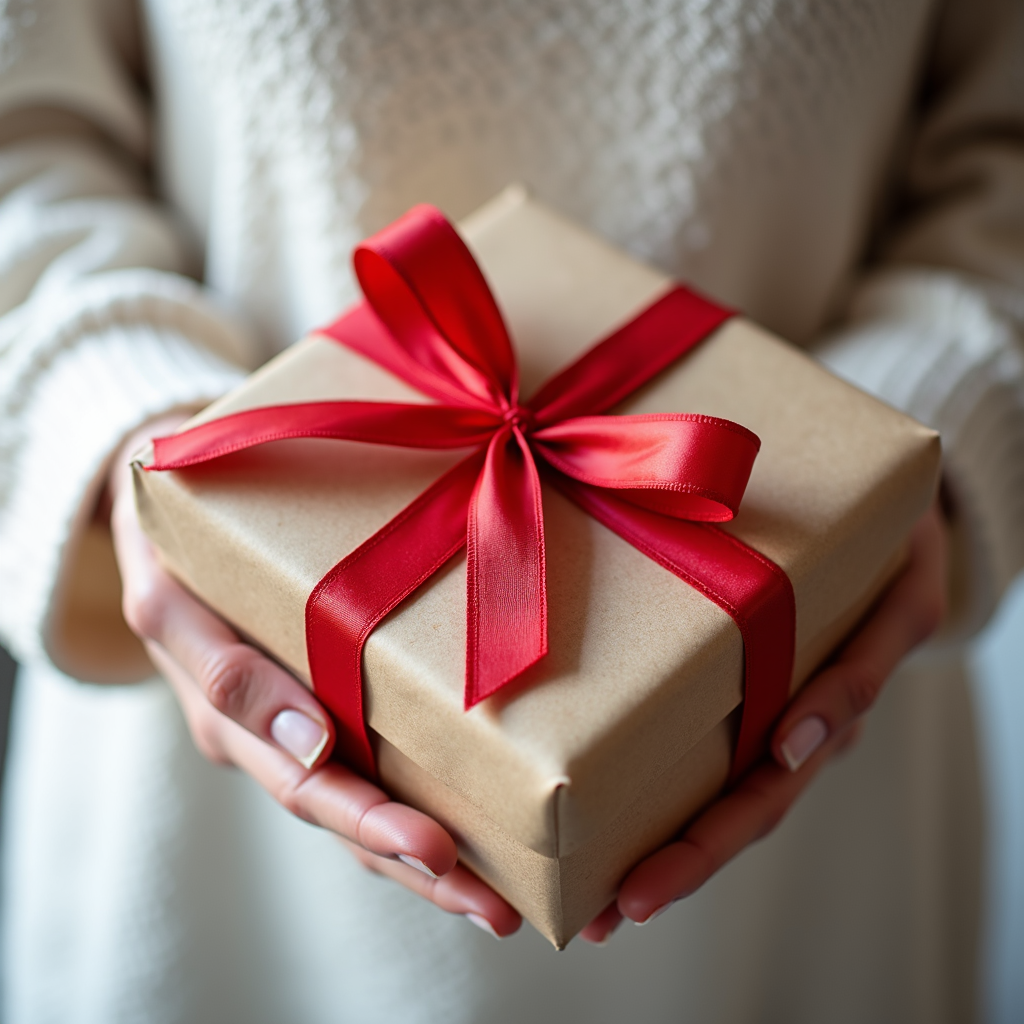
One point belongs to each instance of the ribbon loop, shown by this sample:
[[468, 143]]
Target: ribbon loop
[[425, 286], [686, 466], [390, 423]]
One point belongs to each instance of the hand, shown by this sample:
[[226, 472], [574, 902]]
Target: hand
[[246, 711], [823, 719]]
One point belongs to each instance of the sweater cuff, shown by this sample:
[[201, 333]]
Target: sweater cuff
[[93, 394], [947, 351]]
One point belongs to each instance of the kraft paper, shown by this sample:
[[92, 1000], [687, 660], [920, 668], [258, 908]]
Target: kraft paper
[[623, 732]]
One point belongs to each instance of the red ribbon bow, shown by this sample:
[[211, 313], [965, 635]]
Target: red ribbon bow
[[659, 481]]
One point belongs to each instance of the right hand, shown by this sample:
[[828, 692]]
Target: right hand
[[244, 710]]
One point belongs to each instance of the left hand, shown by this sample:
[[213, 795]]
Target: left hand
[[823, 719], [234, 699]]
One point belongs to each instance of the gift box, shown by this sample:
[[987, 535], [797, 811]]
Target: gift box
[[559, 782]]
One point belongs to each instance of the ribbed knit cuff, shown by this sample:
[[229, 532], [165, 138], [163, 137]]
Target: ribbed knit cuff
[[948, 352], [92, 394]]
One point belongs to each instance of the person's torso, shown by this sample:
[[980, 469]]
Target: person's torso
[[739, 145]]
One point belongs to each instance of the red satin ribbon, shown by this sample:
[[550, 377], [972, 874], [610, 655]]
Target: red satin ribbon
[[659, 481]]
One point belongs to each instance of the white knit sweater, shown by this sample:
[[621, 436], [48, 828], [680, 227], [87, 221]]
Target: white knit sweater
[[747, 147], [180, 188]]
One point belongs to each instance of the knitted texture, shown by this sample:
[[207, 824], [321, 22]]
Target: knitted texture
[[744, 147], [689, 132], [848, 174]]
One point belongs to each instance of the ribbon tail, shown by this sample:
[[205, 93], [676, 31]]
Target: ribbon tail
[[506, 607], [755, 592], [349, 602]]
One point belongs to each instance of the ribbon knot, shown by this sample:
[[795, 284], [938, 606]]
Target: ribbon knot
[[657, 480], [520, 416]]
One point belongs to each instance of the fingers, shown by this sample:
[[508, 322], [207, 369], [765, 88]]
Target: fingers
[[331, 797], [236, 679], [821, 721], [728, 826], [203, 725], [458, 892], [907, 615], [244, 710], [599, 931]]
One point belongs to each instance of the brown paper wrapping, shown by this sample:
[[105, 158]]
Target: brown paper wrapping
[[555, 789]]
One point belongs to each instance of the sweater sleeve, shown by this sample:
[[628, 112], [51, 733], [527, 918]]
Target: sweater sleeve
[[99, 329], [936, 324]]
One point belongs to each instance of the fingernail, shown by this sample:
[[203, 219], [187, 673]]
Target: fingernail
[[803, 740], [303, 738], [414, 862], [483, 924], [657, 913]]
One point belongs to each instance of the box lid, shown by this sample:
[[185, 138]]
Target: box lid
[[641, 665]]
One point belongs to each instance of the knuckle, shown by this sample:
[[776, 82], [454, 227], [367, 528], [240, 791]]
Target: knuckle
[[226, 679], [704, 864], [292, 796], [852, 737], [861, 688]]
